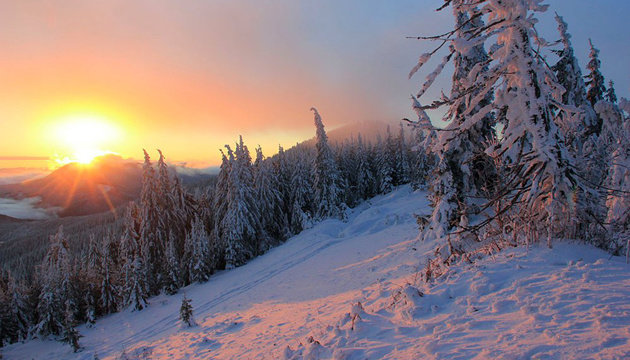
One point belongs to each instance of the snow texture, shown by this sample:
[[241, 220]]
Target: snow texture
[[348, 290]]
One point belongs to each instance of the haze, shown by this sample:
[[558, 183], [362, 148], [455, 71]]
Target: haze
[[190, 76]]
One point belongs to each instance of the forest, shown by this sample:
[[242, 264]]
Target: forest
[[535, 149]]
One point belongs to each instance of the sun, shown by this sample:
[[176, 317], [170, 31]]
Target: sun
[[84, 137]]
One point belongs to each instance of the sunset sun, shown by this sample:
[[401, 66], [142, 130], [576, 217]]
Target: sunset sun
[[85, 137]]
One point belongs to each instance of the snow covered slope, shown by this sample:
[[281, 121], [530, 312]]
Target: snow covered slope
[[348, 290]]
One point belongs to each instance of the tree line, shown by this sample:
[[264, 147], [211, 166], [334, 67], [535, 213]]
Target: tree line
[[173, 238]]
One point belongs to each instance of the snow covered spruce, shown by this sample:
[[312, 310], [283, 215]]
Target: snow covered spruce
[[526, 154]]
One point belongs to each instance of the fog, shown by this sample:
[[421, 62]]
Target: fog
[[24, 209]]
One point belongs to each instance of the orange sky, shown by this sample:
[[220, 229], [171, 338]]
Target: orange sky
[[183, 77], [190, 76]]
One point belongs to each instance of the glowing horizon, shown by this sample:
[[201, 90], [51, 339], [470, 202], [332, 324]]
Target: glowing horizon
[[190, 77]]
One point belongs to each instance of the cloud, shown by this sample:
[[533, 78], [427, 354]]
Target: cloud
[[20, 174], [24, 209]]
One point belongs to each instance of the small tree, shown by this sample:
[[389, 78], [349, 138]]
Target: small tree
[[70, 334], [186, 312]]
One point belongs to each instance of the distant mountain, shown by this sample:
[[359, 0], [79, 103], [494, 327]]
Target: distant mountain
[[369, 131], [108, 182], [10, 219]]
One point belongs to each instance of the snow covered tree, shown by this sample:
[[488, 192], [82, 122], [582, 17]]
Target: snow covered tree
[[186, 312], [462, 165], [14, 323], [200, 260], [16, 319], [567, 70], [364, 178], [239, 224], [70, 335], [269, 199], [56, 287], [611, 96], [538, 177], [618, 199], [172, 280], [401, 159], [595, 83], [327, 194], [134, 290], [301, 191], [109, 288], [382, 165], [151, 241]]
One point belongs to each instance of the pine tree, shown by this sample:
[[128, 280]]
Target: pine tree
[[172, 280], [238, 225], [460, 171], [611, 96], [301, 187], [151, 242], [135, 291], [362, 169], [269, 199], [186, 312], [18, 310], [54, 277], [70, 335], [595, 83], [538, 174], [401, 161], [327, 194], [567, 70], [109, 289], [200, 260], [382, 166]]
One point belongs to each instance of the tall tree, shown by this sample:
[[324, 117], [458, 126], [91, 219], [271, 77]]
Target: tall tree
[[327, 193], [539, 176], [595, 83], [56, 286], [269, 199], [461, 147], [200, 259]]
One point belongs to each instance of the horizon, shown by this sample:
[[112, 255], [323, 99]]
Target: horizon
[[188, 81]]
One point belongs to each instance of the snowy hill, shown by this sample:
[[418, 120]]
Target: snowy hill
[[301, 301]]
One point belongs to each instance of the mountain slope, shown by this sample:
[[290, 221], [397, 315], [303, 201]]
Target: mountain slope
[[108, 182], [301, 301]]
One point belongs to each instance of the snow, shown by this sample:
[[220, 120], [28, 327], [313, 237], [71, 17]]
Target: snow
[[351, 290]]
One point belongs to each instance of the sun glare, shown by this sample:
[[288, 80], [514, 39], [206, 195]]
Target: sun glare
[[84, 137]]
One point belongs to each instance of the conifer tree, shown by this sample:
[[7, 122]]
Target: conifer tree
[[18, 310], [70, 335], [200, 260], [538, 176], [327, 194], [383, 165], [109, 289], [186, 312], [595, 83], [567, 70], [364, 178], [151, 242], [54, 275], [301, 197], [464, 141], [239, 226], [172, 280], [135, 286], [611, 96], [269, 199]]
